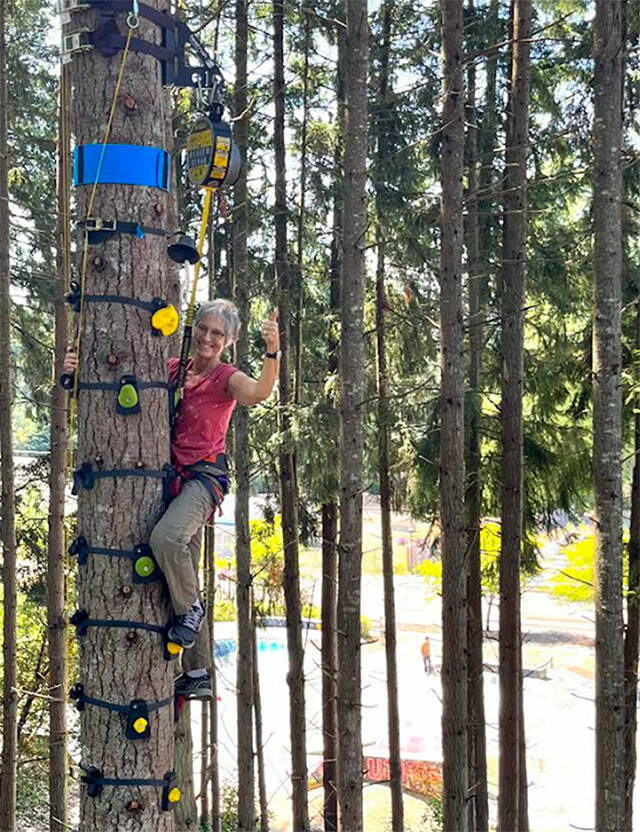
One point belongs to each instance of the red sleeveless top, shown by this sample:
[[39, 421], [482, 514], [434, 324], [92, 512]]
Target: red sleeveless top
[[203, 416]]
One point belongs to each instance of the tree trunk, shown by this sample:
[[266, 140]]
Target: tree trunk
[[213, 775], [330, 507], [479, 801], [8, 531], [257, 708], [351, 398], [454, 612], [246, 810], [288, 495], [384, 419], [632, 633], [118, 665], [607, 416], [512, 328], [56, 556], [186, 811], [329, 666]]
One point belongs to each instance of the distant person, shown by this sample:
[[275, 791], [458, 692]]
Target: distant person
[[426, 655]]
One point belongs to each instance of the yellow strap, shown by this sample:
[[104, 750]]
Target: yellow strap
[[85, 250], [201, 238]]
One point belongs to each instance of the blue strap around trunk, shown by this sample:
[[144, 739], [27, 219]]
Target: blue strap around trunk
[[121, 164]]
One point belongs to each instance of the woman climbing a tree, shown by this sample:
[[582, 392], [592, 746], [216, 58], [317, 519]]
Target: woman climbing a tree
[[212, 390]]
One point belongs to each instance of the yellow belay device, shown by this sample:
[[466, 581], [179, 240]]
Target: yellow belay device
[[212, 160]]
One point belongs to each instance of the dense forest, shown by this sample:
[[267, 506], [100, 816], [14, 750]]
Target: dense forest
[[439, 203]]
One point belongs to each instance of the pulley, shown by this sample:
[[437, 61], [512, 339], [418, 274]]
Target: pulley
[[213, 159]]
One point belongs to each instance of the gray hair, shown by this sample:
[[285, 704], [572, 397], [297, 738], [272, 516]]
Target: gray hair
[[228, 314]]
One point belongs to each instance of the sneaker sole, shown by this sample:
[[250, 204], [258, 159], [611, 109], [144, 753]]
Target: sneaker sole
[[177, 640]]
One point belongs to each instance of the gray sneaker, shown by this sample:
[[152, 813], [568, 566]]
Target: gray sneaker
[[193, 688], [186, 627]]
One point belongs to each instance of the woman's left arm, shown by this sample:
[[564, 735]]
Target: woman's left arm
[[249, 391]]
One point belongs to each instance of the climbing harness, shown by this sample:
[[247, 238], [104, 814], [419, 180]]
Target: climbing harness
[[163, 320], [136, 713], [81, 621], [95, 783], [144, 568]]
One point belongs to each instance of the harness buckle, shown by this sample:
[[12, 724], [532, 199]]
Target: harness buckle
[[98, 224]]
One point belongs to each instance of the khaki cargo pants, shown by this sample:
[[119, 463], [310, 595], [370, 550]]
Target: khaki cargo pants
[[176, 542]]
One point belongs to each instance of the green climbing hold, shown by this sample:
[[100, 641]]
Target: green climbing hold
[[128, 400], [144, 566]]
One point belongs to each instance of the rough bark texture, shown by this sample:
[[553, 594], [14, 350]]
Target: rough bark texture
[[329, 666], [512, 332], [478, 803], [257, 708], [383, 149], [351, 397], [454, 601], [246, 811], [288, 490], [8, 531], [56, 558], [118, 665], [186, 812], [607, 416]]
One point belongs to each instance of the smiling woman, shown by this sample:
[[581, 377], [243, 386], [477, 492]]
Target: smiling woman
[[198, 443]]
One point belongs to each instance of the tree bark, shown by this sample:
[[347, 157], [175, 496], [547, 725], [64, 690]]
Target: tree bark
[[454, 601], [351, 398], [257, 708], [512, 330], [607, 415], [479, 801], [246, 783], [384, 419], [118, 665], [288, 490], [186, 811], [56, 558], [8, 530]]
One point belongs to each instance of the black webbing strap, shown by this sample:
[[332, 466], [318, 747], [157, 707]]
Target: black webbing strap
[[75, 295], [81, 621], [115, 385], [99, 230], [161, 19], [143, 564], [136, 712], [95, 782], [85, 476]]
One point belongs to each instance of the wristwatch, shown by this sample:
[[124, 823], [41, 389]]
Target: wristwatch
[[272, 354]]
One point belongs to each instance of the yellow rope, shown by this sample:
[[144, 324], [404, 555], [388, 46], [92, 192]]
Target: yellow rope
[[85, 251], [201, 238]]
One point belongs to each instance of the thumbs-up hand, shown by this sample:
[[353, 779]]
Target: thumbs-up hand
[[270, 332]]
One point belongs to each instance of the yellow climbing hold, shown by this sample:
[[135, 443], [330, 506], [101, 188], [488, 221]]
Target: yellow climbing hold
[[140, 725], [173, 648], [165, 320], [174, 795]]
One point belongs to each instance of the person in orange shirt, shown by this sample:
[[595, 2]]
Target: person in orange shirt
[[426, 655]]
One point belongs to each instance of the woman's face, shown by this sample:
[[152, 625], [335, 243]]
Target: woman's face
[[209, 338]]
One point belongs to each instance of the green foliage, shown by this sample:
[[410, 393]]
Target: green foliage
[[575, 582]]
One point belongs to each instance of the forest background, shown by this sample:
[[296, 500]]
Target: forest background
[[405, 74]]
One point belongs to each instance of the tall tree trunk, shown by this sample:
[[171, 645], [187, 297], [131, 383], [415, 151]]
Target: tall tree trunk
[[454, 610], [186, 811], [512, 329], [288, 490], [213, 775], [118, 665], [257, 708], [8, 530], [384, 419], [607, 415], [56, 559], [246, 784], [307, 12], [330, 507], [479, 801], [632, 633], [351, 398]]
